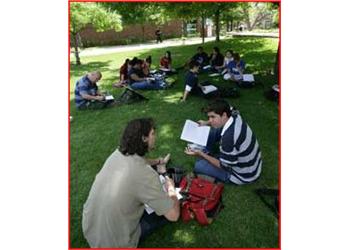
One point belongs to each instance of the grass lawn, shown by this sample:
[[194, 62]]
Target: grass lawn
[[245, 222]]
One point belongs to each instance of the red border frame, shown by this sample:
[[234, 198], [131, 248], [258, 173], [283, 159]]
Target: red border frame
[[279, 113]]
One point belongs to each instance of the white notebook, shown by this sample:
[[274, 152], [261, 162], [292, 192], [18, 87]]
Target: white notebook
[[194, 133], [208, 89], [109, 97], [248, 78]]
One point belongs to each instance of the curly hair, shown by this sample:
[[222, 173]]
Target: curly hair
[[132, 139]]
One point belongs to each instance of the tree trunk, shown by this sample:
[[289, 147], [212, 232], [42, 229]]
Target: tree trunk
[[76, 50], [203, 28], [217, 24]]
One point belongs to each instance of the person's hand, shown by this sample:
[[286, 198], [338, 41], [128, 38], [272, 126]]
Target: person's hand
[[202, 123], [192, 152], [100, 97], [170, 186]]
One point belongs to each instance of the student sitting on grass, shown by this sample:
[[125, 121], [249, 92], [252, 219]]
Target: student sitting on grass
[[191, 81], [137, 79], [87, 95], [166, 63], [216, 60], [114, 214], [201, 57], [239, 159], [228, 58], [123, 74], [236, 68], [146, 66]]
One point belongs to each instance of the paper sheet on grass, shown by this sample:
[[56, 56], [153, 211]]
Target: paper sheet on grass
[[194, 133], [208, 89], [109, 97], [248, 78]]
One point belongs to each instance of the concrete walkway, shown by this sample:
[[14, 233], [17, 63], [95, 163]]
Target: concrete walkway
[[167, 43]]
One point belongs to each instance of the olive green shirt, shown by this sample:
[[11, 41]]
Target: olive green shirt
[[113, 210]]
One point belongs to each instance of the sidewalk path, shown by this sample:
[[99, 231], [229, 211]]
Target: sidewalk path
[[167, 43]]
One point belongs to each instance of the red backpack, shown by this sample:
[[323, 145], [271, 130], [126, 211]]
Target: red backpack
[[202, 199]]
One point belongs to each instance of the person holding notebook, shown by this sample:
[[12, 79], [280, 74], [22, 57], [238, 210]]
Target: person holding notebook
[[239, 160], [114, 214]]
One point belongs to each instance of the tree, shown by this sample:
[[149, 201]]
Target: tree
[[188, 12], [140, 13], [255, 13], [82, 14]]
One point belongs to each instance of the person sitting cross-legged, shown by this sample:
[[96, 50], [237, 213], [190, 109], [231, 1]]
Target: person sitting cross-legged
[[236, 68], [137, 79], [201, 57], [87, 94], [239, 160], [123, 75]]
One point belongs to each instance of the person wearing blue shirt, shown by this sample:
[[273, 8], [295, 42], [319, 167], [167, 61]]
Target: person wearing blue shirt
[[191, 81], [87, 94], [239, 160], [236, 68], [201, 57]]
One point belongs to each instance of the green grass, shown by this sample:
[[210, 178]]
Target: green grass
[[245, 221]]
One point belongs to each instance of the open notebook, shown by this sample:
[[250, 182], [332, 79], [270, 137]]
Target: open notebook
[[194, 133]]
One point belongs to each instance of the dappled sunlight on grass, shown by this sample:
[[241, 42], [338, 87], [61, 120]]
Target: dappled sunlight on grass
[[95, 134], [184, 236], [174, 98]]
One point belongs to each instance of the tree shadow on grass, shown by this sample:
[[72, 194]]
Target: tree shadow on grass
[[95, 135], [80, 70]]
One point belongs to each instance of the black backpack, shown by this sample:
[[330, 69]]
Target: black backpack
[[130, 96]]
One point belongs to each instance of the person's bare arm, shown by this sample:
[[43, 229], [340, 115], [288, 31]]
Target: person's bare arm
[[93, 97], [212, 160], [184, 97], [174, 213]]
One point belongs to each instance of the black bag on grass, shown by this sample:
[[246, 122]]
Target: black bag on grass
[[130, 96]]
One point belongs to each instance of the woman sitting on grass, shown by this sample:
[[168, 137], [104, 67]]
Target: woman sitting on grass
[[228, 58], [216, 59], [123, 74], [165, 63], [146, 66], [236, 68]]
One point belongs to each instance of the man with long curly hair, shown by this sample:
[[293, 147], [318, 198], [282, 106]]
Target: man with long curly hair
[[114, 213]]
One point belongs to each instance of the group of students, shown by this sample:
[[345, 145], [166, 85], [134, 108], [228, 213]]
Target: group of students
[[230, 66], [136, 74], [114, 213]]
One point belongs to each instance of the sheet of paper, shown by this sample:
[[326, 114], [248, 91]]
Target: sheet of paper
[[207, 67], [248, 78], [192, 132], [209, 89], [109, 97], [214, 74]]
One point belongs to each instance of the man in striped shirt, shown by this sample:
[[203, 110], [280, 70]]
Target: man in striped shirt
[[239, 160]]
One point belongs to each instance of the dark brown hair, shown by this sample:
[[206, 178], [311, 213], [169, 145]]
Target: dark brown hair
[[218, 106], [132, 139]]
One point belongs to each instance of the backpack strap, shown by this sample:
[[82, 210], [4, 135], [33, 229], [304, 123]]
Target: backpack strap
[[201, 216]]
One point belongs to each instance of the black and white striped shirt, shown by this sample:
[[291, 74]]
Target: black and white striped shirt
[[239, 151]]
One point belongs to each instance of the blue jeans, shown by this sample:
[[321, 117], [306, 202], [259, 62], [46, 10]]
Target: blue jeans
[[204, 167], [150, 222], [145, 85]]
